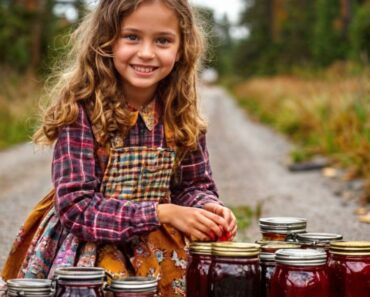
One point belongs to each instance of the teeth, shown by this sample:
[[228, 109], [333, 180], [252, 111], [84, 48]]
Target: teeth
[[143, 69]]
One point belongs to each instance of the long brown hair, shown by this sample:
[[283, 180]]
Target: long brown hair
[[91, 79]]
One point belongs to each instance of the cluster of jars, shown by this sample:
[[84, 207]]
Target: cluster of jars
[[82, 282], [287, 262]]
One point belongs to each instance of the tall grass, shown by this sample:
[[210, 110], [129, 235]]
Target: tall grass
[[329, 116], [19, 96]]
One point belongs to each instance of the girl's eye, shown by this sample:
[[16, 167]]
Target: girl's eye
[[130, 37], [163, 41]]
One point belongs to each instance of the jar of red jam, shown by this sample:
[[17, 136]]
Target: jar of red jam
[[234, 270], [199, 262], [29, 287], [317, 240], [282, 228], [267, 263], [135, 286], [79, 281], [300, 273], [349, 268]]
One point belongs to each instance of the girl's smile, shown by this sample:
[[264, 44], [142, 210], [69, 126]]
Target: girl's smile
[[147, 49]]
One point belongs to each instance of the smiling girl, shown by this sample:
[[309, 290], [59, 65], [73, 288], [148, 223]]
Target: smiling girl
[[131, 170]]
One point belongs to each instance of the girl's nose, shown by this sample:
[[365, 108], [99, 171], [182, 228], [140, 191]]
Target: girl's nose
[[146, 51]]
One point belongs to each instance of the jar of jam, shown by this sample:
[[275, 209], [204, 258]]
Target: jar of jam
[[234, 270], [135, 286], [282, 228], [200, 259], [300, 273], [30, 287], [349, 268], [317, 240], [79, 281], [267, 263]]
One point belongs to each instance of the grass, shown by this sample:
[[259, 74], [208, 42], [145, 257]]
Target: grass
[[328, 115], [19, 96]]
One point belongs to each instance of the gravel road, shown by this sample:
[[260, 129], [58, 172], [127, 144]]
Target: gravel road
[[248, 166]]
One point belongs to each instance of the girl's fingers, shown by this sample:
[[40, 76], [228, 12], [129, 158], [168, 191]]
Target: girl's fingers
[[217, 224]]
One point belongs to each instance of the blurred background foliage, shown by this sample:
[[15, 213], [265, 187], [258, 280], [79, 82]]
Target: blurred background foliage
[[302, 68]]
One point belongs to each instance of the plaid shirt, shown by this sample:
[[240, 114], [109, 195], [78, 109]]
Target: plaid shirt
[[77, 176]]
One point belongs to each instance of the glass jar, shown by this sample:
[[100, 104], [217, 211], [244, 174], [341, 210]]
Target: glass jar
[[29, 287], [317, 240], [281, 228], [200, 259], [267, 263], [79, 281], [135, 286], [234, 270], [300, 273], [349, 268]]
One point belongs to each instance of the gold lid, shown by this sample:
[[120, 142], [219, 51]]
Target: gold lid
[[200, 248], [360, 248], [273, 247], [235, 249]]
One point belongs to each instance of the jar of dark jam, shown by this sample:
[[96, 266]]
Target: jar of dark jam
[[267, 263], [199, 262], [135, 286], [349, 268], [79, 281], [300, 273], [29, 287], [282, 228], [317, 240], [234, 270]]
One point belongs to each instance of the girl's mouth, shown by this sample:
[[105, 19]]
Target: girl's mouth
[[143, 69]]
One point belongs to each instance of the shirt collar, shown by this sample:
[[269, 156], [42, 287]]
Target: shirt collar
[[149, 114]]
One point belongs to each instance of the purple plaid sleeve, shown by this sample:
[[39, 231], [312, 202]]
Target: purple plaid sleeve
[[195, 186], [82, 209]]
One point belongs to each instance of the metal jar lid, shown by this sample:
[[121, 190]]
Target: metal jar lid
[[134, 284], [283, 225], [80, 273], [268, 250], [29, 287], [317, 238], [235, 249], [355, 248], [200, 248], [301, 257]]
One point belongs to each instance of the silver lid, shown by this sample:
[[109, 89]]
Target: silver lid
[[267, 257], [315, 238], [283, 225], [134, 284], [29, 287], [80, 273], [301, 257]]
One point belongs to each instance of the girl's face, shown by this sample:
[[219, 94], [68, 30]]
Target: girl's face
[[148, 46]]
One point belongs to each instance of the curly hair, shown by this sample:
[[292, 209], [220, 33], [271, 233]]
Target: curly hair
[[91, 79]]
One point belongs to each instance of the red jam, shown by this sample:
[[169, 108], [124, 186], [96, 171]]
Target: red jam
[[79, 281], [198, 268], [349, 269], [234, 270], [268, 264], [300, 273]]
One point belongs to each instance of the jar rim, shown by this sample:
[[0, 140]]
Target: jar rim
[[29, 284], [318, 237], [201, 248], [139, 284], [350, 247], [79, 273], [301, 257], [231, 249], [283, 225]]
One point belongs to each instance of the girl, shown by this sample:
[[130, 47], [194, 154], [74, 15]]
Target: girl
[[130, 168]]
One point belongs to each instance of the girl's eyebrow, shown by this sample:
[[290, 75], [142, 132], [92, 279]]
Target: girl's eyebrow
[[134, 30]]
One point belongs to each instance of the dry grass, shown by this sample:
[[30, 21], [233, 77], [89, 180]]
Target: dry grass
[[329, 116], [19, 96]]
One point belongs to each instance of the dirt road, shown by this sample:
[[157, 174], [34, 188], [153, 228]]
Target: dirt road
[[248, 167]]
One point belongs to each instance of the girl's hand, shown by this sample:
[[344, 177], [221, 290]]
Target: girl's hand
[[227, 214], [196, 223]]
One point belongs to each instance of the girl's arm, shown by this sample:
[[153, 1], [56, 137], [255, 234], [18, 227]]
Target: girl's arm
[[82, 209]]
